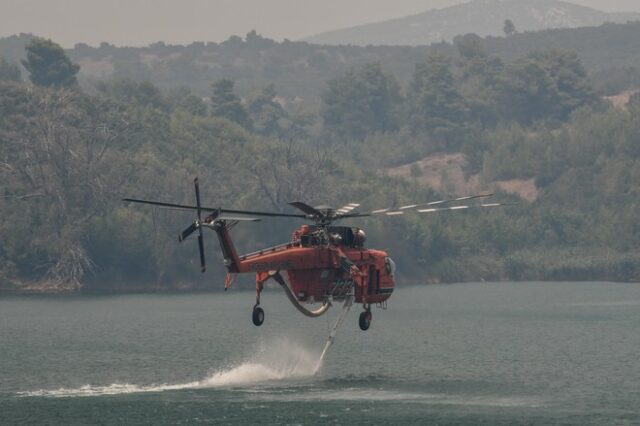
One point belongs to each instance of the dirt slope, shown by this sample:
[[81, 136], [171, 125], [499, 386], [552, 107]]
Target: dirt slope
[[445, 173]]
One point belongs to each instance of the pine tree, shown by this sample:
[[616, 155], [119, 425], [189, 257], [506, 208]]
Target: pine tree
[[226, 104], [48, 65], [509, 28]]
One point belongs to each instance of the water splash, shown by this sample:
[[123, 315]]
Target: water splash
[[280, 361]]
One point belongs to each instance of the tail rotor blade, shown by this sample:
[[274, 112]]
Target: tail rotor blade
[[198, 204], [188, 231], [203, 266]]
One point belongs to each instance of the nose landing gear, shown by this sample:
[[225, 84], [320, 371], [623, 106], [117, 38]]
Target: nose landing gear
[[365, 319]]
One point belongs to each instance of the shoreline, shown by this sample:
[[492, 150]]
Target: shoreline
[[173, 290]]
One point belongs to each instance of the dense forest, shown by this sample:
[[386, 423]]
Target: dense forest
[[299, 70], [71, 148]]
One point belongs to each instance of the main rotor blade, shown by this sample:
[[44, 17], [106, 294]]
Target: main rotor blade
[[347, 208], [396, 211], [477, 206], [258, 213], [162, 204], [211, 209], [453, 200], [303, 207]]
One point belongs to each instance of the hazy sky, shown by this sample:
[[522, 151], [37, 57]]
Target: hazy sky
[[140, 22]]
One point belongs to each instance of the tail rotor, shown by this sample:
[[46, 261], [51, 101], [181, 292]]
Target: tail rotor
[[196, 225], [203, 266]]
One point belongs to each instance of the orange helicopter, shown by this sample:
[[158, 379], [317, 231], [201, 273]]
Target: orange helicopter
[[321, 264]]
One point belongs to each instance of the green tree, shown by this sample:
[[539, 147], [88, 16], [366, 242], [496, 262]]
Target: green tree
[[415, 171], [9, 71], [364, 100], [528, 91], [255, 40], [479, 86], [434, 101], [571, 80], [182, 98], [266, 113], [509, 28], [48, 65], [469, 46], [545, 85], [143, 93], [226, 104]]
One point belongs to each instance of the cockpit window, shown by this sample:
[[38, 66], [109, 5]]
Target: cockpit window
[[390, 266]]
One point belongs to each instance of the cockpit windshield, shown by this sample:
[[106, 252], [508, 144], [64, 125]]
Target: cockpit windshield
[[390, 266]]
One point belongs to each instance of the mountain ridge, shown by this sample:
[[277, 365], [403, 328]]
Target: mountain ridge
[[483, 17]]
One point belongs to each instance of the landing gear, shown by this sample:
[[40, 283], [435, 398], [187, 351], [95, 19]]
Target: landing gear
[[258, 316], [365, 320]]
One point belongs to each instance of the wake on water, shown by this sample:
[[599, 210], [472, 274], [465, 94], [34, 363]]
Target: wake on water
[[281, 361]]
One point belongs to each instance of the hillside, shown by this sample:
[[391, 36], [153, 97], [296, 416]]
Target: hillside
[[532, 129], [299, 70], [445, 173], [482, 17]]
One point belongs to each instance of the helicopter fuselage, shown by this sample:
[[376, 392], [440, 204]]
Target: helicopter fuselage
[[318, 273], [317, 269]]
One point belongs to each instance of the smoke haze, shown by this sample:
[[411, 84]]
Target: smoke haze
[[140, 22]]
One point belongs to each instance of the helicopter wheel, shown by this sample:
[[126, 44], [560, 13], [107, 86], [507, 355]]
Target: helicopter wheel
[[257, 316], [365, 320]]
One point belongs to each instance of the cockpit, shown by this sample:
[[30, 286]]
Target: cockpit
[[390, 266]]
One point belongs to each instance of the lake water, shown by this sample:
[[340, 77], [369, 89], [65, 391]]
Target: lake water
[[464, 354]]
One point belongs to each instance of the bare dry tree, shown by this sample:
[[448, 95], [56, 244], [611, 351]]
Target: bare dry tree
[[65, 162], [288, 171]]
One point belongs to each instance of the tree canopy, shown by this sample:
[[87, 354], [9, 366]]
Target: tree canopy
[[9, 71], [435, 103], [542, 85], [509, 28], [361, 101], [48, 65], [226, 104]]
